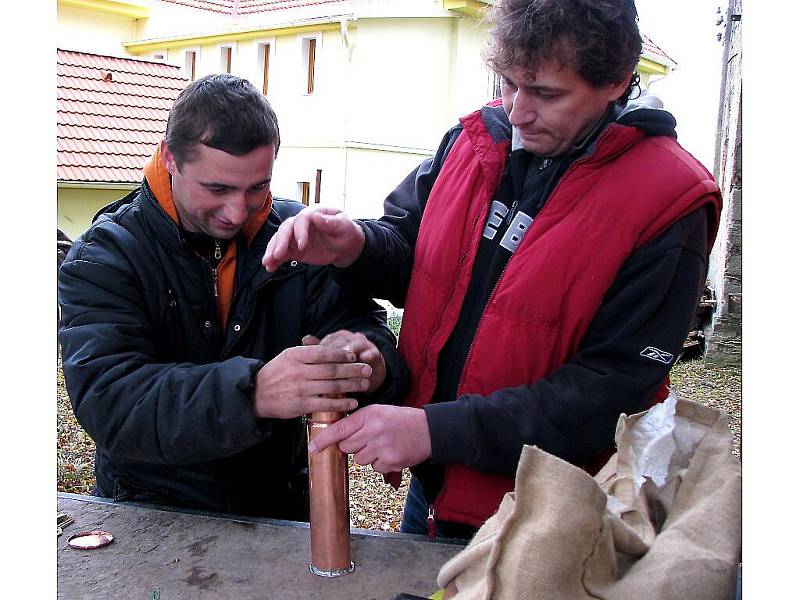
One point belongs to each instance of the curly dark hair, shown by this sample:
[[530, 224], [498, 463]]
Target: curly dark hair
[[598, 38], [220, 111]]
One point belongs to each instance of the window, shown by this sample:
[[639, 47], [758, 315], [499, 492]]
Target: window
[[225, 59], [303, 190], [263, 64], [310, 47], [312, 52], [495, 91], [318, 186], [160, 56], [190, 64]]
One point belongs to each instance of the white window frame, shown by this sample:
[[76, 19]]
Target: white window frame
[[303, 40], [186, 68], [301, 187], [259, 46], [220, 53], [494, 85]]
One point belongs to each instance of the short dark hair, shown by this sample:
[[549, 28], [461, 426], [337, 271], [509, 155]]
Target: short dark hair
[[223, 112], [598, 38]]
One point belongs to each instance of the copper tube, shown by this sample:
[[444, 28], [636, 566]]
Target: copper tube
[[330, 503]]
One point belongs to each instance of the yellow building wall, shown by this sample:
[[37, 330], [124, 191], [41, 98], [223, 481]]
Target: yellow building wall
[[297, 164], [166, 19], [371, 175], [77, 206], [305, 119], [471, 78], [399, 82], [336, 128], [93, 31]]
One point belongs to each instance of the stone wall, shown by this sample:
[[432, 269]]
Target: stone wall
[[724, 335]]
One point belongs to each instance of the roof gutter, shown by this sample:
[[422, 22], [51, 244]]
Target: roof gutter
[[471, 8], [332, 23], [118, 8], [652, 67], [97, 185]]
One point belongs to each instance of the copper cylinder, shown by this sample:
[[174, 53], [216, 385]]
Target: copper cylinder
[[330, 503]]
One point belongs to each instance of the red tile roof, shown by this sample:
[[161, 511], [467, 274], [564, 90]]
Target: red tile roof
[[248, 7], [111, 113], [650, 48]]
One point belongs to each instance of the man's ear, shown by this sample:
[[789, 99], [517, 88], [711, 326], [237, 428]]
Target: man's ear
[[615, 90], [168, 159]]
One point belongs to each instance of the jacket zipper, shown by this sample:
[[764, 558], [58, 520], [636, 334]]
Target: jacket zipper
[[214, 273], [431, 522], [478, 328], [432, 507], [512, 211], [428, 342]]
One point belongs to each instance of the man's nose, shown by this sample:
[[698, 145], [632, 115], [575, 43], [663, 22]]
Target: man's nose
[[522, 110], [236, 209]]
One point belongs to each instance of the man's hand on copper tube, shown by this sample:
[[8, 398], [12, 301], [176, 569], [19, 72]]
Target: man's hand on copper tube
[[364, 349], [306, 379], [389, 438]]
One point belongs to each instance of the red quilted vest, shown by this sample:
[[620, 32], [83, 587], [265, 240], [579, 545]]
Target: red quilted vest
[[631, 189]]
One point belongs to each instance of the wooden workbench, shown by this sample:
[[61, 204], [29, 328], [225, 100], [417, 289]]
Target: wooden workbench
[[163, 554]]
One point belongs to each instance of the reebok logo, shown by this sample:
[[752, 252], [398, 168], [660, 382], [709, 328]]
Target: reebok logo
[[657, 355]]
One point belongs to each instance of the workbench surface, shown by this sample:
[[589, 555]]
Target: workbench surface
[[164, 554]]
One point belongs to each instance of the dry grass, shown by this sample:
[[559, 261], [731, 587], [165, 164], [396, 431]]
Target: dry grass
[[375, 504]]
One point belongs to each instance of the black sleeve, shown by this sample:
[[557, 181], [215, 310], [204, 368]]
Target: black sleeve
[[573, 413], [383, 270], [130, 400]]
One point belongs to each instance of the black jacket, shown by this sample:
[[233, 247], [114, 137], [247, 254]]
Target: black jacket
[[165, 394]]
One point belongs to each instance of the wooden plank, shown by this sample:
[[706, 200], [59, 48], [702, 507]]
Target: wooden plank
[[180, 554]]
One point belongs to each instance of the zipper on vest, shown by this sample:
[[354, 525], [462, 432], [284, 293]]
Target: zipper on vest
[[426, 347], [478, 328], [431, 522]]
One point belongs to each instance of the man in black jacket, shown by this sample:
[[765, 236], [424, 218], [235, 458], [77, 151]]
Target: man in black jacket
[[188, 364]]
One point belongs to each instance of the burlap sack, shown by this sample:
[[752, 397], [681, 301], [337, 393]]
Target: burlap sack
[[662, 520]]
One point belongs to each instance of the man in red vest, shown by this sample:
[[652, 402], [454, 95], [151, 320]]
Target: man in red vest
[[549, 258]]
